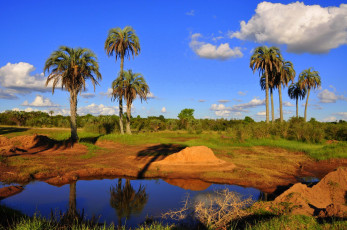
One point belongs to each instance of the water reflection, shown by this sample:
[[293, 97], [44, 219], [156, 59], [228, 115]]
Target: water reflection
[[126, 201]]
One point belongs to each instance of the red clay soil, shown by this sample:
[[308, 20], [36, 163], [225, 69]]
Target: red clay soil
[[41, 158], [10, 191], [327, 198], [194, 185]]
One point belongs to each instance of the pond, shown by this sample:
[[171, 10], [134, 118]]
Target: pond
[[116, 200]]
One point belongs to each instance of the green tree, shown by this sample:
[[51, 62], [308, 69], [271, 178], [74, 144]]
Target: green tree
[[130, 85], [266, 60], [71, 68], [296, 92], [309, 80], [285, 74], [122, 43], [185, 116]]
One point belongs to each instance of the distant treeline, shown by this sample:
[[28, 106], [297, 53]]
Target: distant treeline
[[293, 129]]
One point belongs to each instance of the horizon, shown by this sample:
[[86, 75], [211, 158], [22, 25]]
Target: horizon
[[192, 55]]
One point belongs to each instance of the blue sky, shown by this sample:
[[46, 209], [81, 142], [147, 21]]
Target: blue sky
[[194, 54]]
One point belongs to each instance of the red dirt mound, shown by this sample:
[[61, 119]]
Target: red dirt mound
[[327, 198], [10, 191], [194, 185], [193, 155]]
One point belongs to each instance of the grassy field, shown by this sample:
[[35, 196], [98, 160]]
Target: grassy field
[[216, 140]]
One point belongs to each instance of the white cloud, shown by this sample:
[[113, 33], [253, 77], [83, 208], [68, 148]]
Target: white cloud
[[342, 114], [191, 13], [222, 110], [209, 51], [18, 77], [303, 28], [108, 93], [223, 101], [330, 119], [163, 110], [88, 95], [261, 113], [7, 94], [40, 101], [327, 96], [287, 104], [95, 109], [150, 95]]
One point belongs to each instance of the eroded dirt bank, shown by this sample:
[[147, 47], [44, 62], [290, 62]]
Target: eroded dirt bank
[[37, 157]]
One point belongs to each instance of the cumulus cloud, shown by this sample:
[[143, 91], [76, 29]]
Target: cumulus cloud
[[287, 104], [223, 101], [40, 101], [342, 114], [327, 96], [150, 95], [96, 110], [18, 78], [221, 109], [303, 28], [88, 95], [261, 113], [108, 93], [163, 110], [209, 51], [330, 119]]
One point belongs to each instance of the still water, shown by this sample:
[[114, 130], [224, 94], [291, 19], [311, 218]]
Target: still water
[[116, 200]]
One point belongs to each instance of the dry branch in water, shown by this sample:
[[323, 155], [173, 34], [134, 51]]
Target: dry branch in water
[[216, 211]]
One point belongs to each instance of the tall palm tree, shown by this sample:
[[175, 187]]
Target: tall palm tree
[[266, 60], [295, 92], [130, 85], [309, 80], [71, 68], [271, 88], [285, 74], [122, 43]]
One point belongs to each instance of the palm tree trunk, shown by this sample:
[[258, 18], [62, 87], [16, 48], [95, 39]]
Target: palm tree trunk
[[121, 100], [308, 94], [73, 115], [280, 97], [128, 130], [267, 97], [297, 108], [72, 212], [272, 106]]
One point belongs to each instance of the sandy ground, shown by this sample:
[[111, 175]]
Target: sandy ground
[[40, 158]]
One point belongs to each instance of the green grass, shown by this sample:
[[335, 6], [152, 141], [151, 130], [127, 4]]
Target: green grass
[[92, 149], [296, 222]]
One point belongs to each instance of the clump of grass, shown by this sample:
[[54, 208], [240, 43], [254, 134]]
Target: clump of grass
[[92, 149]]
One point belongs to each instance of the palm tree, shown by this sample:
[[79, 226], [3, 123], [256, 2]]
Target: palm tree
[[71, 68], [295, 92], [126, 201], [271, 87], [266, 60], [130, 85], [285, 74], [122, 43], [309, 80]]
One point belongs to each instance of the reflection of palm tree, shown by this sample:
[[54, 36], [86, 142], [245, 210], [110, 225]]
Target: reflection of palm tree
[[72, 200], [126, 201]]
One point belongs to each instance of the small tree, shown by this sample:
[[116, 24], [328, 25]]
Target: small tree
[[185, 116]]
